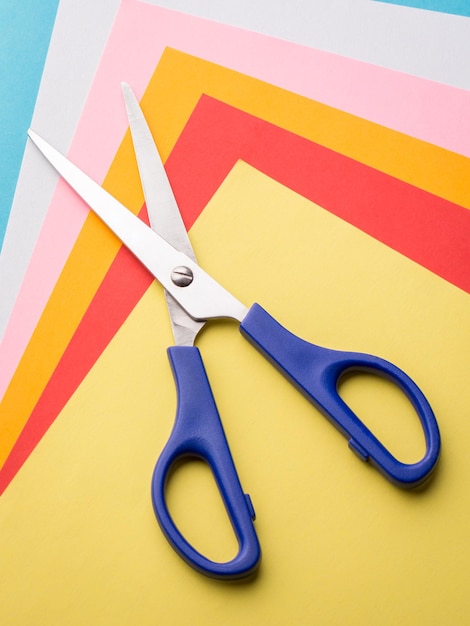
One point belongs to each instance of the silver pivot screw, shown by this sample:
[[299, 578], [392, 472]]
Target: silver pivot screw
[[182, 276]]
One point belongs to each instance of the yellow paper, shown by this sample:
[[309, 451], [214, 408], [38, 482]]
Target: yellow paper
[[78, 537], [171, 96]]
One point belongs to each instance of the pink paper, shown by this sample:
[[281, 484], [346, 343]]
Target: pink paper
[[419, 108]]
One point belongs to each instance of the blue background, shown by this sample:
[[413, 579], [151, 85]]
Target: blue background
[[25, 31], [457, 7]]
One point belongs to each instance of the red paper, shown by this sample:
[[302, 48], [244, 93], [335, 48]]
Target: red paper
[[429, 230]]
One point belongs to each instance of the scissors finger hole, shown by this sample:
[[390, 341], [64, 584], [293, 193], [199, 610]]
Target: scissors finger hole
[[197, 509], [386, 411]]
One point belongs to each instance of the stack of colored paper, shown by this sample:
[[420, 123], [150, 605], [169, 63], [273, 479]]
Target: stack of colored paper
[[334, 192]]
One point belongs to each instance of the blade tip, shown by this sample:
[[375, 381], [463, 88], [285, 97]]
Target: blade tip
[[35, 138], [126, 88]]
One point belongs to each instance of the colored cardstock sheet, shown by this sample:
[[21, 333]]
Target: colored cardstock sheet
[[340, 544], [420, 43], [433, 112], [413, 233], [456, 7]]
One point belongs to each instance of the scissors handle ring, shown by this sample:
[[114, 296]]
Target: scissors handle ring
[[316, 372], [198, 433]]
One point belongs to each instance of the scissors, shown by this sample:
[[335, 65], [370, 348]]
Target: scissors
[[193, 297]]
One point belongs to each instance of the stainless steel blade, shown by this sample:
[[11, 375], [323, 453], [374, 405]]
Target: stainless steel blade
[[163, 211], [203, 298], [164, 215]]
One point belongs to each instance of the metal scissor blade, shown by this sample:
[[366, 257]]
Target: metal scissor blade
[[163, 211], [202, 299]]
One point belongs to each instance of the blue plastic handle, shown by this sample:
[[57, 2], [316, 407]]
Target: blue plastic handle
[[316, 371], [198, 432]]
